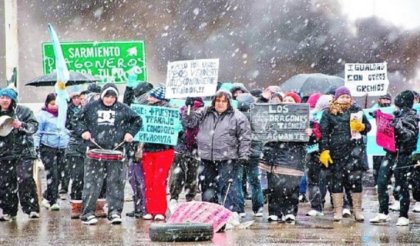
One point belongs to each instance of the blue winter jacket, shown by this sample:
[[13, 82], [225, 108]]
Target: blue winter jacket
[[48, 134]]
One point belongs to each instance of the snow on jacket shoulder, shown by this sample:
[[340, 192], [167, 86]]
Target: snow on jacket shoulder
[[406, 124], [223, 136]]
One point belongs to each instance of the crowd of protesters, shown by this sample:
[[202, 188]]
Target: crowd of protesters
[[215, 155]]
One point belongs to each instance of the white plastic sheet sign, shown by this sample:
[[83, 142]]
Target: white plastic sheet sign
[[192, 78], [366, 78]]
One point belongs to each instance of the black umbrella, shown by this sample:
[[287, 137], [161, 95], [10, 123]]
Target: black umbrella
[[51, 79], [307, 83]]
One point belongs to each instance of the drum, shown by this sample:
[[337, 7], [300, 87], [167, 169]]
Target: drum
[[105, 154]]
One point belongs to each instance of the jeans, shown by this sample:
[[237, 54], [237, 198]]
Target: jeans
[[252, 174], [221, 182], [96, 172], [136, 179], [184, 175]]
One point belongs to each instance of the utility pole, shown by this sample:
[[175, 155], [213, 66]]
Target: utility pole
[[11, 45]]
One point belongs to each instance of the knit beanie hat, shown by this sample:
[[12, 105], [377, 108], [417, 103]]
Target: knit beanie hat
[[109, 89], [293, 95], [313, 98], [342, 90], [158, 93], [10, 93], [405, 99]]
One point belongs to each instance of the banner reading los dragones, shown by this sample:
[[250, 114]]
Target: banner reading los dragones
[[159, 124]]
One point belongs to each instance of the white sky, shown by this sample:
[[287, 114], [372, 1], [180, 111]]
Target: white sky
[[404, 13]]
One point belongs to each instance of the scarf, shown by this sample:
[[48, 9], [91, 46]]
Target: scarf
[[53, 112]]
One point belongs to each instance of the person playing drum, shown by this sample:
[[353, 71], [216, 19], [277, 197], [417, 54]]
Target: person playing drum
[[107, 124]]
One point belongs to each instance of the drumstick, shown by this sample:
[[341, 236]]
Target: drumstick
[[93, 141], [119, 145]]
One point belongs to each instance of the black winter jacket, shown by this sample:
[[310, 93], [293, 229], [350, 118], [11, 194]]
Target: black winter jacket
[[107, 125], [336, 134], [19, 143], [406, 124]]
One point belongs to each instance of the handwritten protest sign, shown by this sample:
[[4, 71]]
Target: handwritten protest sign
[[366, 78], [385, 135], [159, 124], [193, 78], [280, 122]]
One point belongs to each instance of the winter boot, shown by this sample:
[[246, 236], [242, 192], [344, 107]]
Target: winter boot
[[357, 207], [100, 211], [76, 208], [338, 206]]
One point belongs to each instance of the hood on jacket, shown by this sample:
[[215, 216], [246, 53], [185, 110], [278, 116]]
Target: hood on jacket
[[109, 89], [405, 99]]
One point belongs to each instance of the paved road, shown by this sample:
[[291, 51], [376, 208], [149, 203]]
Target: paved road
[[56, 228]]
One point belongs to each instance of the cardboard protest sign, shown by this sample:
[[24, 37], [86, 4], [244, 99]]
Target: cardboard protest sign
[[280, 122], [159, 124], [385, 135], [366, 78], [193, 78]]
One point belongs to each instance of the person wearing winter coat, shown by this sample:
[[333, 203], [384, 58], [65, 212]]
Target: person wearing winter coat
[[315, 170], [134, 150], [106, 124], [406, 129], [156, 162], [184, 175], [16, 159], [285, 160], [52, 142], [223, 140], [342, 149], [251, 170], [75, 157], [72, 108]]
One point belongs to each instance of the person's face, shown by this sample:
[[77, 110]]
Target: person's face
[[76, 100], [109, 100], [5, 102], [288, 99], [384, 101], [221, 104], [83, 99], [52, 106], [344, 99], [152, 100], [237, 93], [275, 99]]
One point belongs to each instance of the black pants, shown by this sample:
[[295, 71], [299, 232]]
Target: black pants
[[54, 162], [184, 175], [402, 172], [377, 160], [76, 164], [384, 175], [315, 172], [27, 187], [284, 194], [344, 175], [415, 182]]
